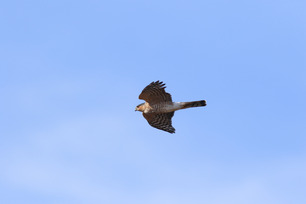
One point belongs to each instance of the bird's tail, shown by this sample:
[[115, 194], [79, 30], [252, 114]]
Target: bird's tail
[[193, 104]]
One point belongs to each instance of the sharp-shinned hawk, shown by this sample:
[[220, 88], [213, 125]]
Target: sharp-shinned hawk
[[158, 108]]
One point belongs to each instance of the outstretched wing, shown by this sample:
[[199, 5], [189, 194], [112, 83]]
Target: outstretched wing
[[155, 93], [160, 121]]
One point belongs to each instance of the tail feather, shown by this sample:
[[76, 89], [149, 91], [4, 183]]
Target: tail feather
[[194, 104]]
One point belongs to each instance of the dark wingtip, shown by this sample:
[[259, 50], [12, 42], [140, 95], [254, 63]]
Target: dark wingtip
[[171, 131], [161, 84]]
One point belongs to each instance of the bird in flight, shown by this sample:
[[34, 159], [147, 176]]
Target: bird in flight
[[159, 108]]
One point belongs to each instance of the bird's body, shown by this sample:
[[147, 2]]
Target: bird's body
[[163, 107], [159, 108], [166, 107]]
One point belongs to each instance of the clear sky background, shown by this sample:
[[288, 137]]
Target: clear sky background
[[71, 73]]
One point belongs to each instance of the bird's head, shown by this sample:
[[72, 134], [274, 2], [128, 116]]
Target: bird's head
[[140, 107]]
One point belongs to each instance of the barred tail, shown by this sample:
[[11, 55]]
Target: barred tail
[[193, 104]]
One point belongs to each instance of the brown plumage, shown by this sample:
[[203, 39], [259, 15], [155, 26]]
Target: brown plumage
[[159, 109]]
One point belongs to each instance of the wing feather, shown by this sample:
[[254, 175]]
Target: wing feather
[[155, 93], [160, 121]]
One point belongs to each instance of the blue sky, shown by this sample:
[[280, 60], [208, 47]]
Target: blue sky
[[71, 73]]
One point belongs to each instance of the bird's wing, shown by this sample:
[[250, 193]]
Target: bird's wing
[[160, 121], [155, 93]]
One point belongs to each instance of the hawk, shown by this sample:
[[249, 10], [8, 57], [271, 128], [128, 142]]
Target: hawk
[[159, 108]]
